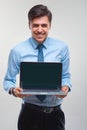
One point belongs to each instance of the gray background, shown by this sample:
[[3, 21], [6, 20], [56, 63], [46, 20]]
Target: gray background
[[69, 24]]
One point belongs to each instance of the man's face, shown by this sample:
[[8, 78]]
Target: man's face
[[39, 28]]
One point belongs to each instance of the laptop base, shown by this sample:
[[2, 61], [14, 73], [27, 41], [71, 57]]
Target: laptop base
[[42, 92]]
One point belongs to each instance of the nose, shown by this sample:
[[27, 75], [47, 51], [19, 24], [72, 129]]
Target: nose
[[39, 28]]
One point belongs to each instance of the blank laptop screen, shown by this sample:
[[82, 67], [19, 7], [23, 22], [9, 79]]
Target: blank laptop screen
[[40, 75]]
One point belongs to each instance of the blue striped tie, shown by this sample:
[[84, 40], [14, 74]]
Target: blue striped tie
[[40, 59]]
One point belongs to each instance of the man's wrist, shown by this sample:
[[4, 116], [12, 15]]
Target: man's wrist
[[11, 91]]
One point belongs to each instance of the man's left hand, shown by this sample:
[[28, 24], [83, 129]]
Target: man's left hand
[[64, 89]]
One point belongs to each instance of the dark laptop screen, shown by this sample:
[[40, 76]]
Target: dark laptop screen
[[40, 75]]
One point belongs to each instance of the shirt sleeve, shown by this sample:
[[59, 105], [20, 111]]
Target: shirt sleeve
[[12, 71], [66, 76]]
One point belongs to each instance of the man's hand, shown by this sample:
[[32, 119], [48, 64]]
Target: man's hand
[[17, 92], [64, 89]]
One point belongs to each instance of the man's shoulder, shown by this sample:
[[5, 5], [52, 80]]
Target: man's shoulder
[[56, 41], [21, 45]]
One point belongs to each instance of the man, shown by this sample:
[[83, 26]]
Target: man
[[36, 114]]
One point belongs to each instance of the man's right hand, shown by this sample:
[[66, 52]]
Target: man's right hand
[[17, 92]]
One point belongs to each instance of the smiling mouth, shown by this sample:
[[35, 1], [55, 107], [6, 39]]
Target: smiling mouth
[[39, 35]]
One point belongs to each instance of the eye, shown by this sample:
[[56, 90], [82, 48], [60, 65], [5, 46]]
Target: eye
[[35, 25], [44, 25]]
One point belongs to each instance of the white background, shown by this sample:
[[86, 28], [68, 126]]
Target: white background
[[69, 24]]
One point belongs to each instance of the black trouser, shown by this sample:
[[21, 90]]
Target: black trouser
[[30, 119]]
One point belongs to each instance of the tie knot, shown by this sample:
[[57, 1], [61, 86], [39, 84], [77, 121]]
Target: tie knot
[[40, 46]]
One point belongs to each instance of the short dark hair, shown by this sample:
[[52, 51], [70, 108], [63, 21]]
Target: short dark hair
[[39, 11]]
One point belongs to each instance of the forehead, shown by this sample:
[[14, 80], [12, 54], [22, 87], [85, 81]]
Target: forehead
[[40, 20]]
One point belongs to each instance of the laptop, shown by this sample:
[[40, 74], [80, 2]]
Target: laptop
[[41, 78]]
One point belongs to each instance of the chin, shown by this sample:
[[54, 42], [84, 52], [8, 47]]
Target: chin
[[40, 41]]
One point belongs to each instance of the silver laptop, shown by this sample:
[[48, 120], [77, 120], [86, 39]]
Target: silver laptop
[[41, 78]]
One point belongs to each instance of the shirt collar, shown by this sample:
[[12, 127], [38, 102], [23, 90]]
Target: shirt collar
[[35, 43]]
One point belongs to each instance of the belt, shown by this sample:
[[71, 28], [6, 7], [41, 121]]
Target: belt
[[42, 108]]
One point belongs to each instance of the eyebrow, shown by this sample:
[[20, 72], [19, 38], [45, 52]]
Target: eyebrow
[[37, 25]]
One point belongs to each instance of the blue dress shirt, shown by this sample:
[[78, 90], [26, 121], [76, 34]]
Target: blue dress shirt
[[54, 51]]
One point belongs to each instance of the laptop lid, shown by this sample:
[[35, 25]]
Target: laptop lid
[[40, 75]]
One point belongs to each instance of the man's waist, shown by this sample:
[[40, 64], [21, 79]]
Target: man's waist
[[42, 108]]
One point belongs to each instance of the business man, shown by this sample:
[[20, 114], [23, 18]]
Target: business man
[[36, 114]]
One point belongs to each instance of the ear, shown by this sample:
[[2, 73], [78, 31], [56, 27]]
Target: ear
[[29, 25], [50, 26]]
